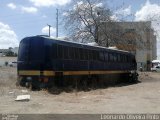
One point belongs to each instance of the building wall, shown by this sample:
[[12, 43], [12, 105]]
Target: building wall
[[154, 46], [142, 35], [4, 51]]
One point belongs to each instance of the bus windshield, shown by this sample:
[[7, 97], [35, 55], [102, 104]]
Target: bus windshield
[[23, 53], [31, 49]]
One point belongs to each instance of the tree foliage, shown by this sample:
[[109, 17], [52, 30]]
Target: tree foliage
[[93, 21], [83, 20]]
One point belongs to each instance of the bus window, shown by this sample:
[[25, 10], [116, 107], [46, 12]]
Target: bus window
[[65, 52], [101, 56], [60, 51], [106, 56]]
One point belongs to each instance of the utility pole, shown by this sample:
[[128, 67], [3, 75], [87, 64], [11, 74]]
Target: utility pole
[[97, 28], [57, 23], [49, 29]]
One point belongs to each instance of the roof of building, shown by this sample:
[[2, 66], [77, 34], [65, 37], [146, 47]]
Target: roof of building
[[4, 50]]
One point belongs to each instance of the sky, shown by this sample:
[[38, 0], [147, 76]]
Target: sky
[[22, 18]]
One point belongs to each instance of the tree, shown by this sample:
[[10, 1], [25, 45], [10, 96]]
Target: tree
[[9, 53], [84, 19], [91, 21], [122, 34]]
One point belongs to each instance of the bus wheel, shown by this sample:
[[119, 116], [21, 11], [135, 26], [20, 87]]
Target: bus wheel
[[28, 85]]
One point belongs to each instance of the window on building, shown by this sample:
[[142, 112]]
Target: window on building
[[129, 30]]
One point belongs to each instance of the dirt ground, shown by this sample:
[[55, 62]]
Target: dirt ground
[[143, 97], [7, 59]]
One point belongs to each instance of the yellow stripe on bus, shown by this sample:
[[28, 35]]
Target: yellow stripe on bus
[[107, 72], [28, 72], [48, 73], [75, 72], [53, 73]]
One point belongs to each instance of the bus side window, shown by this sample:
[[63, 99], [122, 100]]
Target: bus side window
[[97, 55], [115, 57], [81, 54], [72, 53], [76, 53], [85, 52], [69, 53], [122, 58], [60, 51], [110, 57], [106, 56], [119, 58], [65, 52], [101, 55], [90, 55], [54, 51], [125, 58], [94, 54]]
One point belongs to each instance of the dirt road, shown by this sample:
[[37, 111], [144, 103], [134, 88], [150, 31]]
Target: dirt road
[[143, 97]]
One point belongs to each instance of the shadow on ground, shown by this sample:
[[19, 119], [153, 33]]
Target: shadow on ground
[[59, 90]]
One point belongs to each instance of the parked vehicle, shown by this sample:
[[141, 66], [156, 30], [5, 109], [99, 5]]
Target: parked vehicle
[[155, 69], [44, 61], [155, 65]]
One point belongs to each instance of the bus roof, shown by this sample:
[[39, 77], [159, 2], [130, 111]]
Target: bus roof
[[84, 44]]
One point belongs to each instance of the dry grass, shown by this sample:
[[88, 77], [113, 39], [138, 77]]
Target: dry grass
[[135, 98], [8, 76]]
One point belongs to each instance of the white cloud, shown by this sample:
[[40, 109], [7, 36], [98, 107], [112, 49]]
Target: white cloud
[[148, 12], [24, 9], [124, 11], [48, 3], [114, 18], [8, 37], [151, 12], [99, 5], [65, 14], [45, 30], [11, 5], [29, 9]]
